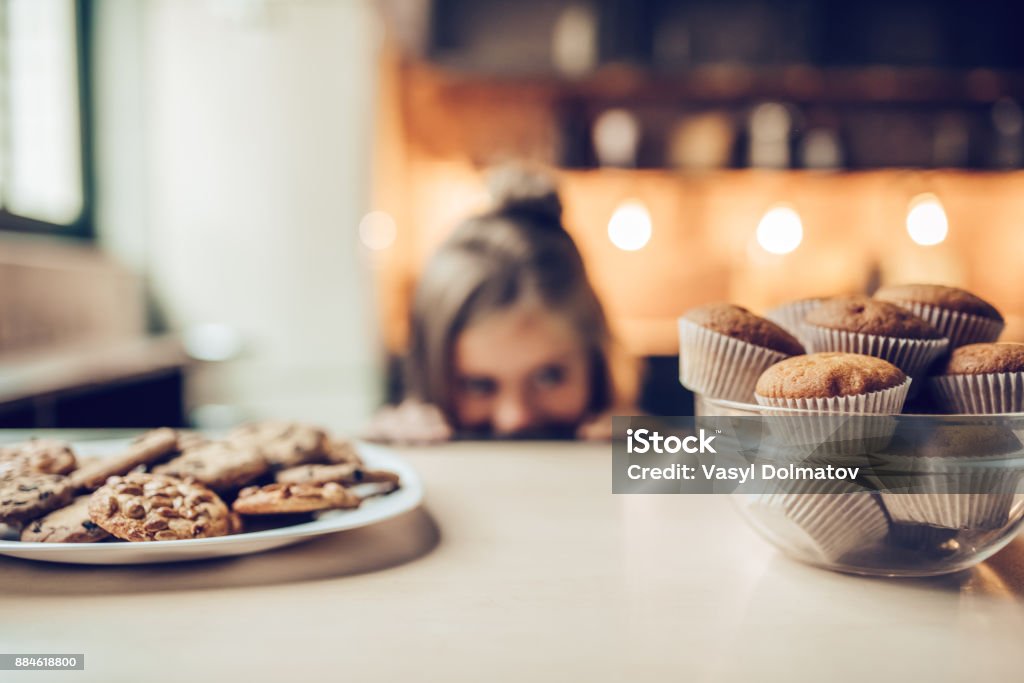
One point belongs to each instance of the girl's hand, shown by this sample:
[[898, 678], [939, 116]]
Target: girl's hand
[[411, 422], [596, 428], [599, 427]]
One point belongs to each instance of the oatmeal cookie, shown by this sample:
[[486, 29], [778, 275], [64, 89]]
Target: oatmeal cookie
[[145, 450], [69, 524], [284, 444], [47, 456], [347, 475], [274, 499], [156, 507], [26, 495], [221, 466]]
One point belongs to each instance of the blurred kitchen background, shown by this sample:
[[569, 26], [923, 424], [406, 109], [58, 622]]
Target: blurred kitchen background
[[216, 210]]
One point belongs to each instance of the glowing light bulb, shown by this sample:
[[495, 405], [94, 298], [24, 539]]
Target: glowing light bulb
[[780, 230], [927, 224], [574, 41], [377, 230], [616, 138], [630, 226]]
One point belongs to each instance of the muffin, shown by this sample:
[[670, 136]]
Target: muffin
[[859, 324], [842, 398], [723, 349], [982, 378], [845, 401], [790, 316], [958, 315], [834, 382], [955, 476], [824, 520]]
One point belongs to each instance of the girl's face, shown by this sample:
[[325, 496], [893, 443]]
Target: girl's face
[[520, 371]]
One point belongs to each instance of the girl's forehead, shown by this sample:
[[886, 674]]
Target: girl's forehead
[[518, 335], [526, 317]]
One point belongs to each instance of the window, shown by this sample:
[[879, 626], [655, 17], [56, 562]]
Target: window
[[43, 112]]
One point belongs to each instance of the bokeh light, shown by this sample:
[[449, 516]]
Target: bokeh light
[[780, 230], [377, 230], [927, 224], [616, 138], [630, 226]]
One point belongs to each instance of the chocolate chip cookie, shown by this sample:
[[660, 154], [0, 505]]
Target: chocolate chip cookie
[[188, 439], [275, 499], [221, 466], [347, 475], [48, 456], [284, 444], [70, 524], [342, 452], [145, 450], [156, 507], [26, 495]]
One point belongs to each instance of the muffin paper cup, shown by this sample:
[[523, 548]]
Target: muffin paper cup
[[883, 402], [975, 511], [913, 356], [944, 505], [959, 328], [920, 537], [996, 392], [826, 520], [791, 316], [840, 425], [719, 366]]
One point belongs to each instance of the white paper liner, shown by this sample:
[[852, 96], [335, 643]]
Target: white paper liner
[[975, 511], [922, 537], [912, 356], [883, 402], [944, 505], [959, 328], [995, 392], [791, 316], [823, 520], [827, 429], [831, 435], [719, 366]]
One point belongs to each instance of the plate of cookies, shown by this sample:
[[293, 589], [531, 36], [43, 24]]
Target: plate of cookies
[[171, 495]]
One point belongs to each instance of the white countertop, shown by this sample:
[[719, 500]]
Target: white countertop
[[522, 566]]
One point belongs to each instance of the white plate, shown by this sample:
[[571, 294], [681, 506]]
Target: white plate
[[373, 510]]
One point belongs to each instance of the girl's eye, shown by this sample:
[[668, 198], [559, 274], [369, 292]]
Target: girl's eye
[[478, 386], [550, 376]]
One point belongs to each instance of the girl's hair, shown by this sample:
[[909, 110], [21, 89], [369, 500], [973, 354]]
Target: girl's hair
[[517, 251]]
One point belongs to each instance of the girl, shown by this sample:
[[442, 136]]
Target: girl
[[508, 338]]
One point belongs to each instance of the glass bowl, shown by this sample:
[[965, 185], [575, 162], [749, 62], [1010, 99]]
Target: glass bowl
[[939, 493]]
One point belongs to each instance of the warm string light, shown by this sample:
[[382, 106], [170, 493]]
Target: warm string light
[[630, 226], [377, 230], [780, 231], [616, 138], [927, 224]]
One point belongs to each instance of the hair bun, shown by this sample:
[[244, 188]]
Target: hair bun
[[517, 189]]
